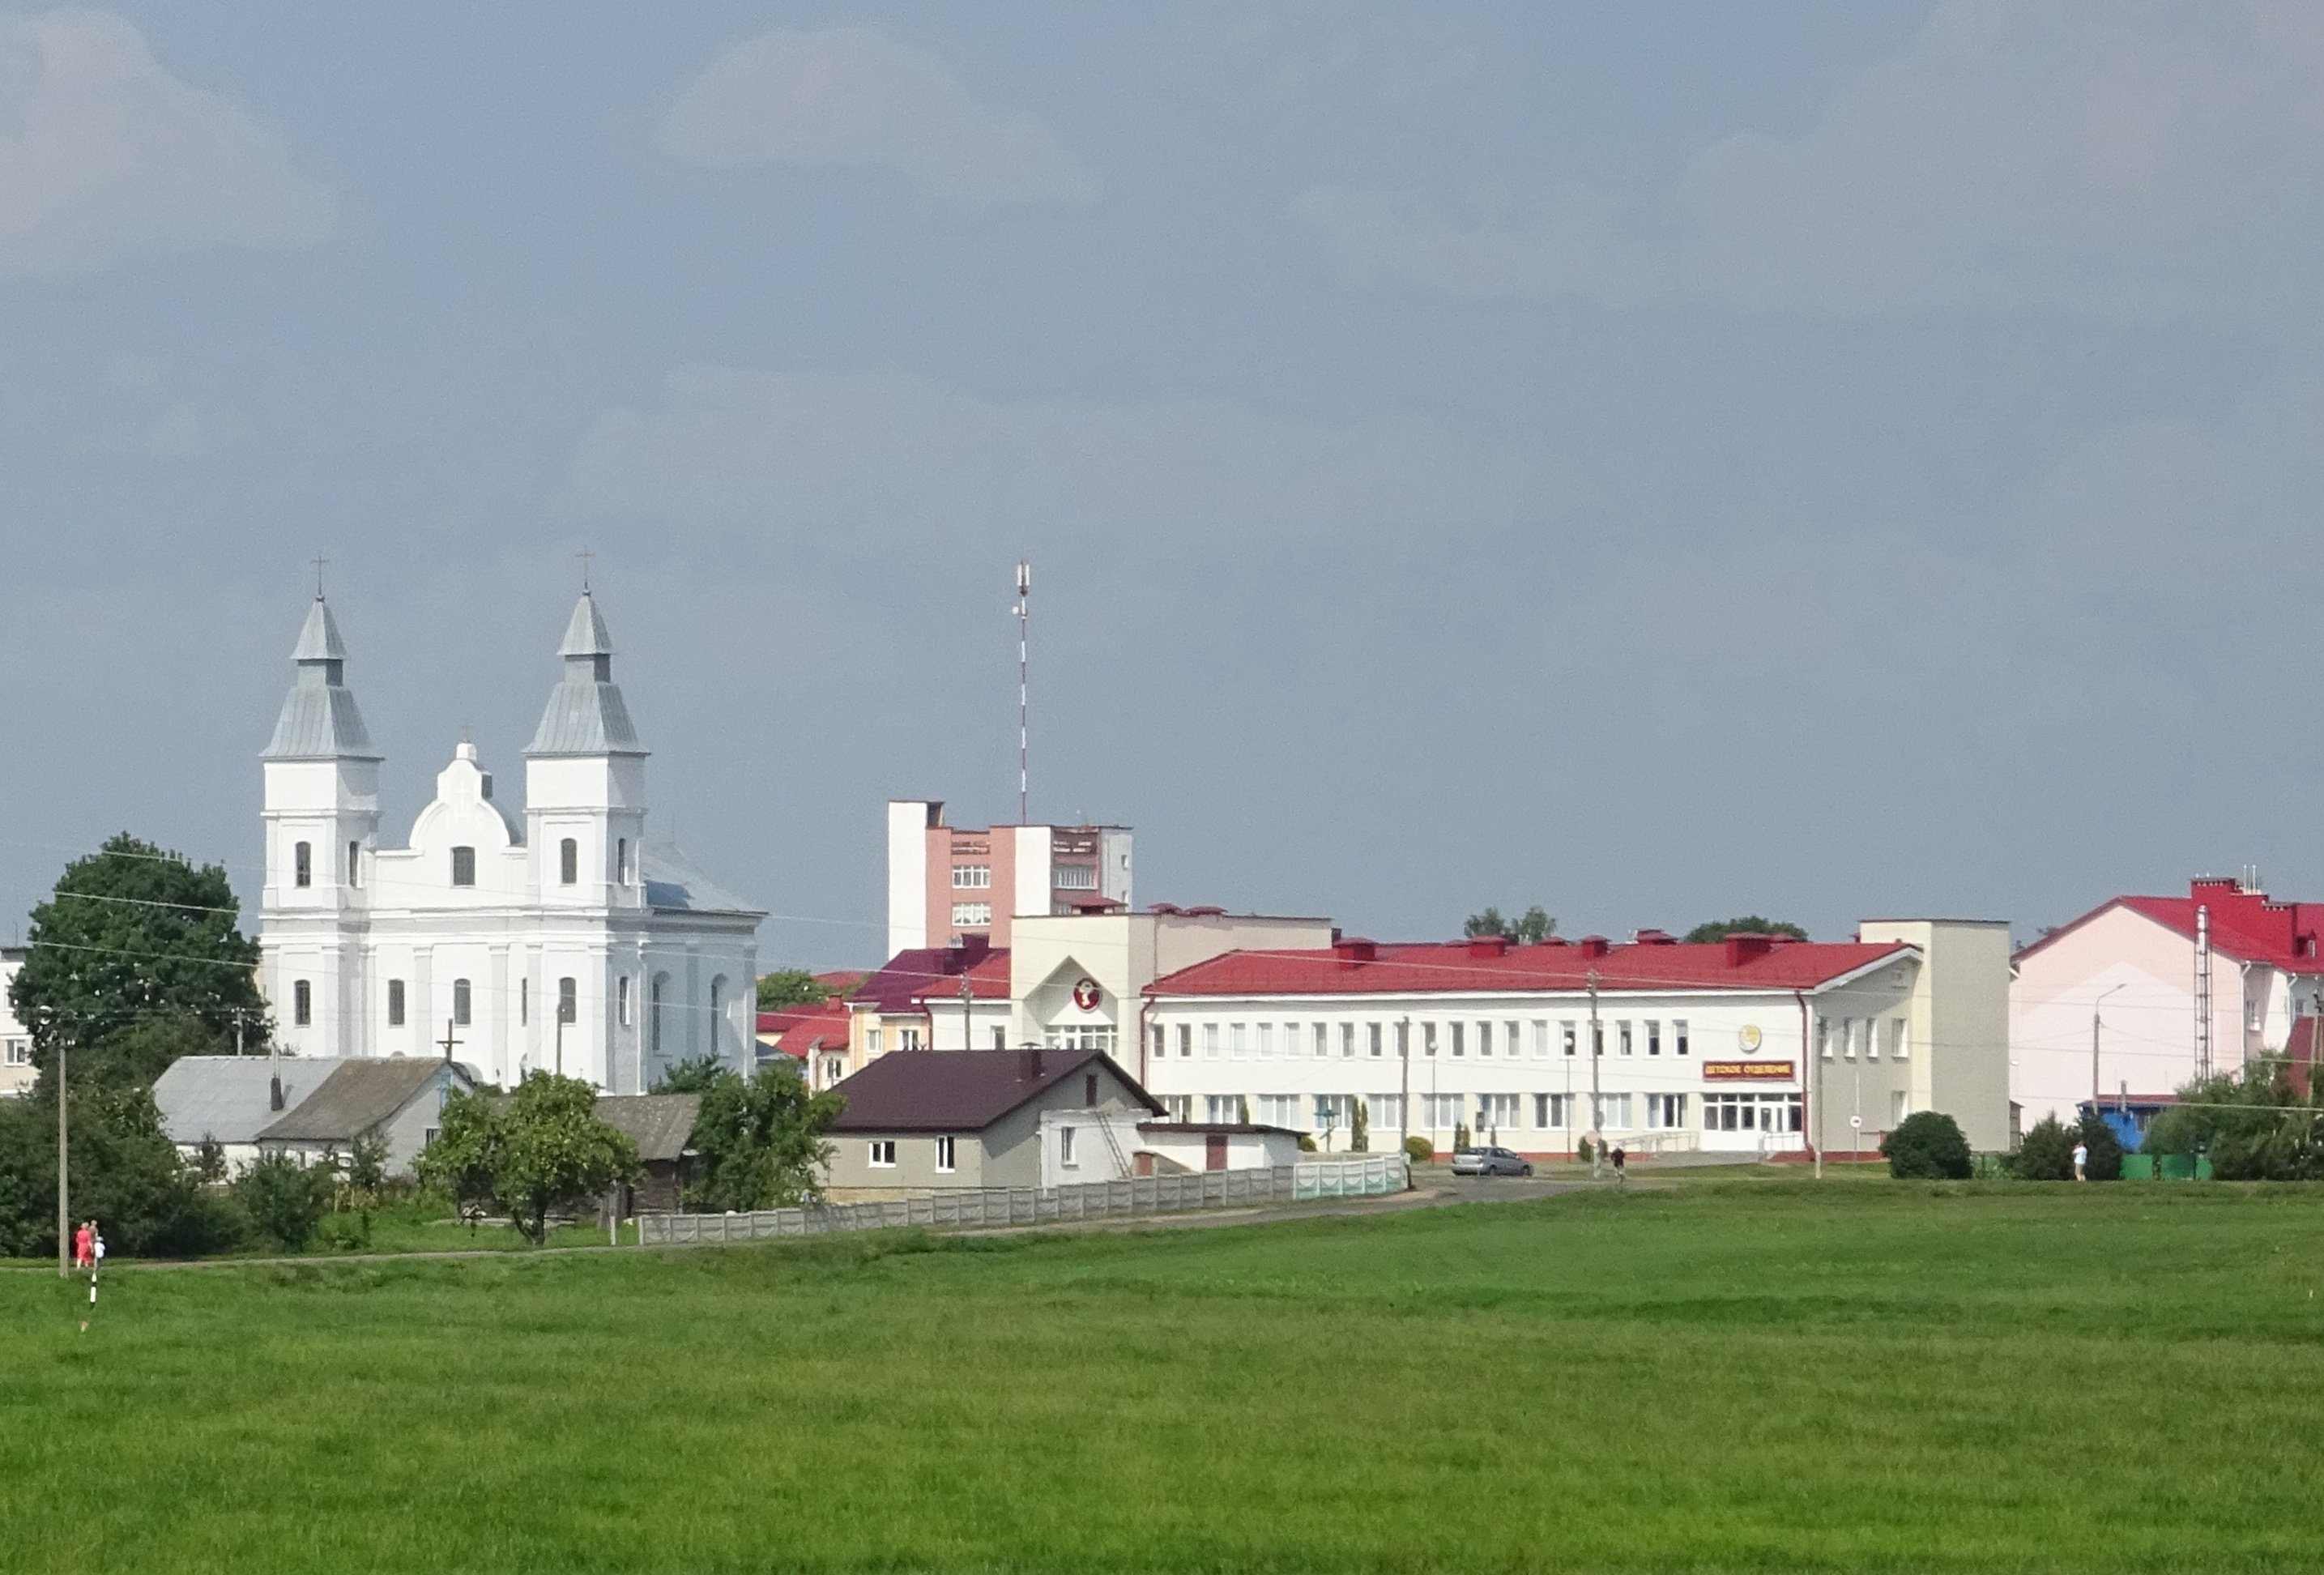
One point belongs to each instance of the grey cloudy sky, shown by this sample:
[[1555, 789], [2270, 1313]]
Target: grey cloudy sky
[[1831, 458]]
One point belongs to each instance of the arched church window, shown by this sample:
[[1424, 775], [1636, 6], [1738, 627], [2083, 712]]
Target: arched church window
[[568, 1000], [302, 865], [355, 863], [460, 1002], [463, 866], [622, 1000], [622, 860], [303, 1004], [569, 861], [653, 1011]]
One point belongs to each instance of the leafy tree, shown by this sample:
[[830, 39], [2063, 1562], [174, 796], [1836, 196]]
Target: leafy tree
[[1748, 924], [367, 1165], [790, 987], [285, 1199], [693, 1077], [1581, 1149], [1530, 929], [125, 1174], [555, 1154], [760, 1144], [1928, 1145], [460, 1164], [1460, 1137], [2253, 1123], [2046, 1154], [2104, 1163], [209, 1160], [132, 933], [1360, 1129]]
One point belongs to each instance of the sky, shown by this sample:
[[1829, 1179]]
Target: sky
[[1832, 460]]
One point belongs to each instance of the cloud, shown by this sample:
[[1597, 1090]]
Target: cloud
[[889, 460], [1567, 244], [850, 98], [2112, 158], [104, 155]]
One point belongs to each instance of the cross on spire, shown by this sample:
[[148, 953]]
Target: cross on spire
[[448, 1042], [320, 562], [585, 555]]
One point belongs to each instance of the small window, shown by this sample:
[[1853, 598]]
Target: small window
[[355, 863], [1000, 1039], [302, 865], [1185, 1040], [1210, 1039], [1089, 1090], [1622, 1035], [945, 1154], [871, 1041], [463, 866], [460, 1003], [1065, 1148], [1161, 1041], [1346, 1040], [1238, 1040], [569, 862], [1484, 1039], [395, 1002], [1428, 1039], [303, 1004], [1678, 1035], [622, 1000], [1566, 1037], [1655, 1042], [1541, 1036], [429, 1134], [523, 1002], [20, 1052], [972, 877], [1597, 1038], [568, 1001], [1460, 1040], [883, 1153], [622, 860], [1323, 1035], [1896, 1041], [1372, 1038]]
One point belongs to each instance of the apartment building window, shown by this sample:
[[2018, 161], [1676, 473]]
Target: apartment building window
[[355, 863], [302, 865], [1076, 877], [1614, 1111], [1666, 1110], [907, 1038], [1387, 1112], [1678, 1036], [395, 1002], [463, 866], [1346, 1040], [303, 1004], [1177, 1107], [1622, 1035], [1323, 1038], [1441, 1111], [972, 915], [1495, 1111], [1237, 1043], [1331, 1112], [1266, 1040], [1279, 1110], [871, 1041], [1552, 1110], [1597, 1038], [1372, 1038], [460, 1003], [944, 1155], [1484, 1039], [1185, 1040], [1210, 1041], [1460, 1045], [1066, 1149], [972, 877], [1510, 1040], [883, 1153], [1654, 1037], [1223, 1107], [569, 862], [568, 1000], [1896, 1039], [20, 1052], [622, 1000], [1566, 1036]]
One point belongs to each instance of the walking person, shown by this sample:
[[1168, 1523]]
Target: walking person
[[2081, 1160], [1622, 1166], [83, 1249]]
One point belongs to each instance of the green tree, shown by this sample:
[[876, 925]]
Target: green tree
[[760, 1143], [460, 1164], [125, 1174], [1360, 1129], [1928, 1145], [1530, 929], [790, 987], [209, 1160], [693, 1077], [1748, 924], [2046, 1154], [2253, 1123], [130, 937], [285, 1199], [555, 1154]]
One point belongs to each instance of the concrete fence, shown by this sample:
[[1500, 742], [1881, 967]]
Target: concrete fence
[[1003, 1206]]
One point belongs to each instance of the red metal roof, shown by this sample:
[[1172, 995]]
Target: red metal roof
[[987, 981], [2247, 926], [796, 1029], [899, 982], [1463, 967]]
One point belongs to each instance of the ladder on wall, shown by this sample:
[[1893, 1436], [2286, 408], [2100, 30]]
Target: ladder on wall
[[1122, 1166]]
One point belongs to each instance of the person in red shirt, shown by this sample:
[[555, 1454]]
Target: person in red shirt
[[84, 1252]]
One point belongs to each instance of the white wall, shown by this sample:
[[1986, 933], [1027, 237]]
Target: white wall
[[909, 820]]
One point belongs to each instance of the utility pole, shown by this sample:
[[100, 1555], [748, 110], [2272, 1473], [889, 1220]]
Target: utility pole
[[560, 1039], [64, 1195], [1024, 707], [1597, 1104], [2095, 1084], [1404, 1099], [967, 995]]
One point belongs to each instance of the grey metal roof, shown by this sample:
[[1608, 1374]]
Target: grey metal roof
[[660, 1125], [586, 714], [226, 1098], [673, 884], [319, 719], [359, 1096]]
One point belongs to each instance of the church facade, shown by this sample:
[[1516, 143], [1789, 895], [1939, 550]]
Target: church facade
[[550, 937]]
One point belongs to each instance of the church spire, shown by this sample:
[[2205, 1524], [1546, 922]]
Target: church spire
[[585, 713], [319, 719]]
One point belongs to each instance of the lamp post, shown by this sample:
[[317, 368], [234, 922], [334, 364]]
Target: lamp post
[[2094, 1038], [1404, 1099], [64, 1184], [1596, 1102]]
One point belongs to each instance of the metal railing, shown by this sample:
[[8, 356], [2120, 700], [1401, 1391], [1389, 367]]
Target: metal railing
[[987, 1208]]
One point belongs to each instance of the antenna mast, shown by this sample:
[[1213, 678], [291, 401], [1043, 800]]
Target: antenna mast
[[1024, 708]]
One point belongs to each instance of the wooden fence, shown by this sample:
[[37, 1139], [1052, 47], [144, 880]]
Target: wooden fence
[[987, 1208]]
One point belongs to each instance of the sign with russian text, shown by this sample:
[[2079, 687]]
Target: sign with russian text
[[1746, 1072]]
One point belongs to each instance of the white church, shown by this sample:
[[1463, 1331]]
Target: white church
[[547, 938]]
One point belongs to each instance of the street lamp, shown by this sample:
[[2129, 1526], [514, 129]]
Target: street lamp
[[2094, 1038]]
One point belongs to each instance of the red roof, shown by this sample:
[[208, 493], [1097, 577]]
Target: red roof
[[1463, 966], [898, 984], [987, 981], [796, 1029], [2245, 925]]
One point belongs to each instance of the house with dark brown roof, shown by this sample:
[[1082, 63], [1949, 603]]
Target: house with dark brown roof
[[926, 1121], [398, 1101]]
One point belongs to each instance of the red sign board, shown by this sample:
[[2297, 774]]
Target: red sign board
[[1746, 1072], [1086, 994]]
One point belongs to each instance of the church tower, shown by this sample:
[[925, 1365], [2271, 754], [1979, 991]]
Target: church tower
[[322, 827]]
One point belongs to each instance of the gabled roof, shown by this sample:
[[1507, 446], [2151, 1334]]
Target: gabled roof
[[2246, 926], [1460, 967], [675, 885], [897, 983], [359, 1097], [962, 1090], [988, 980], [229, 1098], [660, 1125]]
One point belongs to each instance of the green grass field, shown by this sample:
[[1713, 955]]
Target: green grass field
[[1751, 1376]]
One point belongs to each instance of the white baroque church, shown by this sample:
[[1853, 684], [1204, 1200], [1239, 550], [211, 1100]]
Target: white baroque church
[[546, 940]]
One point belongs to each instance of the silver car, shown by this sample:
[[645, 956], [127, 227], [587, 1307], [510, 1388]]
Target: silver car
[[1490, 1162]]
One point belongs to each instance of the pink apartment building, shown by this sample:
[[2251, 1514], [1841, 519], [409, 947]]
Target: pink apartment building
[[946, 883]]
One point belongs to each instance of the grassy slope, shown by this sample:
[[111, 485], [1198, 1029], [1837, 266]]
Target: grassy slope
[[1721, 1377]]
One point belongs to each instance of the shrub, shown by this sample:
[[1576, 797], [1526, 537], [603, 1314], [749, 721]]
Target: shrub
[[2105, 1162], [1307, 1143], [286, 1200], [1460, 1137], [2046, 1154], [1419, 1149], [1927, 1145], [1581, 1149], [1360, 1129]]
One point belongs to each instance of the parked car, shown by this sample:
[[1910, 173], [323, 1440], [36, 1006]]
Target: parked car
[[1490, 1162]]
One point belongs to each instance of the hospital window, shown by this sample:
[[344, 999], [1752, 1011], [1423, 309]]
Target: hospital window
[[1211, 1041], [1678, 1035], [1622, 1035], [1654, 1037], [1457, 1044], [1372, 1037], [1236, 1044], [1566, 1036]]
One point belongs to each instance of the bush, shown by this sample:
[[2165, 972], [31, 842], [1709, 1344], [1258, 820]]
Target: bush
[[286, 1200], [1460, 1137], [2046, 1154], [1419, 1150], [1307, 1143], [1927, 1145], [1581, 1149], [2105, 1162]]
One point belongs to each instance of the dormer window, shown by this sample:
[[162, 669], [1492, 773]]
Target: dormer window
[[463, 866], [569, 862], [302, 865]]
